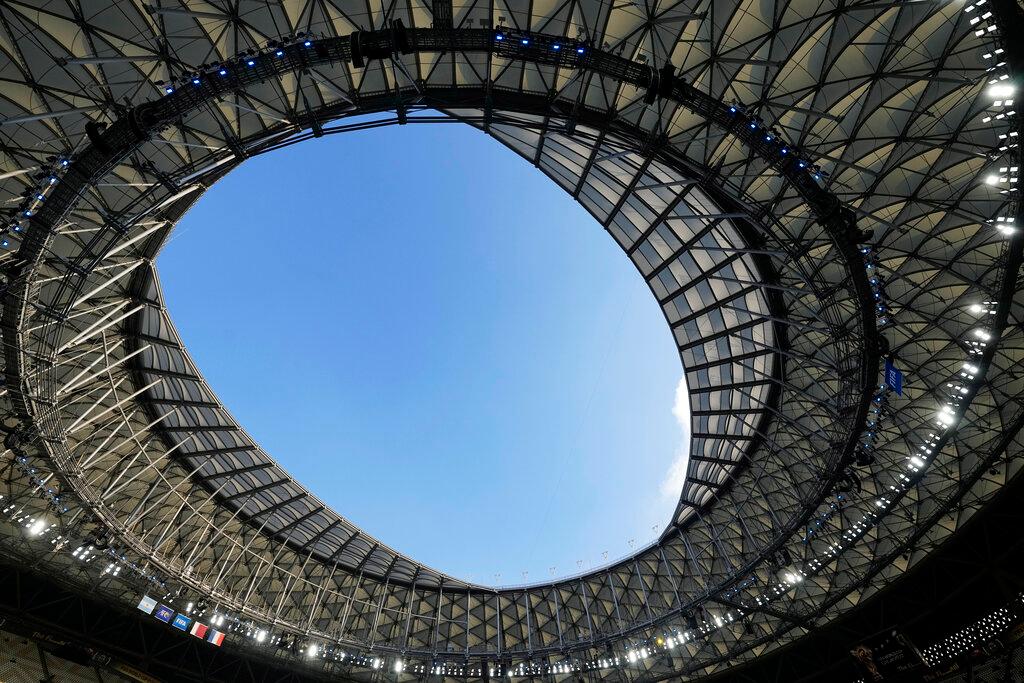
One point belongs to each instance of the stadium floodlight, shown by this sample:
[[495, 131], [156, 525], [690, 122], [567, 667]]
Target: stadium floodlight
[[1001, 90], [946, 416]]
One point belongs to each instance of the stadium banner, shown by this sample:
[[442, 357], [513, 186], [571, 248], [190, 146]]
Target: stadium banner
[[181, 622], [889, 656], [893, 377], [147, 604], [199, 630], [215, 637], [164, 613]]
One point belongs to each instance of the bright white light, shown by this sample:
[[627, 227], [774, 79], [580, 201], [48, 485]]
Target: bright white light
[[1001, 90], [992, 179], [399, 666], [37, 528], [975, 308], [917, 462], [312, 652], [982, 334], [261, 636]]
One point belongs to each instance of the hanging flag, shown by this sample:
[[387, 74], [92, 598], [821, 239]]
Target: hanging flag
[[198, 630], [147, 604], [893, 377], [164, 613], [215, 637], [181, 622]]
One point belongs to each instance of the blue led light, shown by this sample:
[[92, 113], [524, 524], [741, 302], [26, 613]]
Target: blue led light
[[753, 125], [767, 138], [308, 43], [53, 179], [579, 50], [556, 46], [168, 90], [784, 150], [526, 41], [499, 37], [40, 197], [279, 53], [817, 177], [195, 81], [4, 244], [28, 213], [802, 164], [251, 62], [223, 72], [17, 227]]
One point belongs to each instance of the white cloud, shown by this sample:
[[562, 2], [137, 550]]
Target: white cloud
[[674, 478]]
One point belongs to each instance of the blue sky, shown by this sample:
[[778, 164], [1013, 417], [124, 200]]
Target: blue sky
[[440, 343]]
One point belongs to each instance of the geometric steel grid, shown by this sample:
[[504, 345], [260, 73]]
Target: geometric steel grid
[[750, 256]]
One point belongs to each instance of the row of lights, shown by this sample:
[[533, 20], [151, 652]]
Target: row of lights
[[960, 388], [775, 141], [977, 634], [32, 198], [504, 37], [223, 69]]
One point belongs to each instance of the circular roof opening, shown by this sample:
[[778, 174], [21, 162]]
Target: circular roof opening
[[445, 350]]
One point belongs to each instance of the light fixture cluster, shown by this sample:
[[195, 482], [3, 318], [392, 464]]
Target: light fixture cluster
[[243, 61], [877, 284], [878, 409], [31, 199], [771, 142], [1001, 90], [962, 387], [512, 43], [971, 637]]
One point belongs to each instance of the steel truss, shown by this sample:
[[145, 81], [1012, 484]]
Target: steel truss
[[750, 255]]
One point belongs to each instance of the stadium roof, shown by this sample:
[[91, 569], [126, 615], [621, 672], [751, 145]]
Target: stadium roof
[[809, 188]]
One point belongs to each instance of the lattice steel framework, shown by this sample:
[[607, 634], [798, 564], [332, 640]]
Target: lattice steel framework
[[693, 132]]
